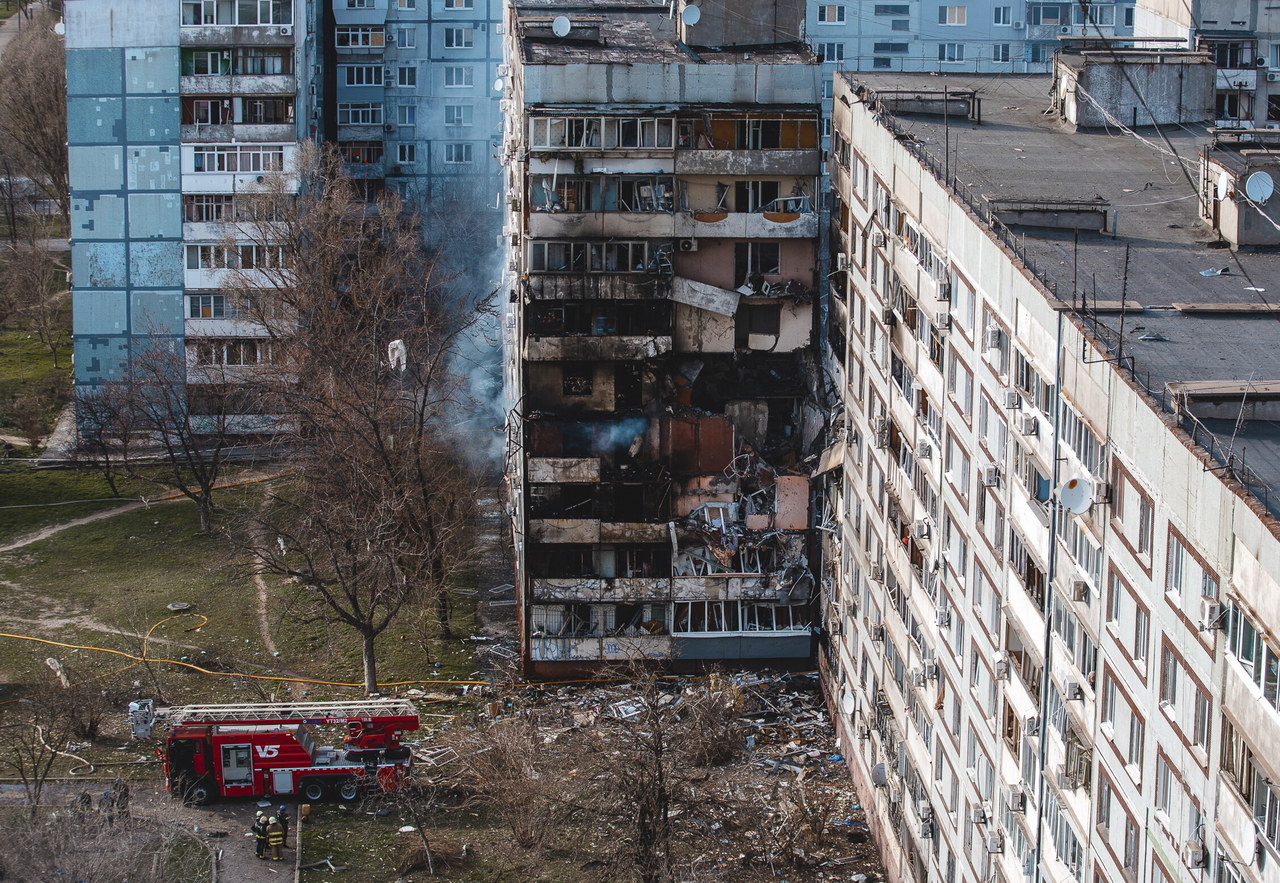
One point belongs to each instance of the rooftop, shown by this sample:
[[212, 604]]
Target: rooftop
[[628, 32], [1193, 310]]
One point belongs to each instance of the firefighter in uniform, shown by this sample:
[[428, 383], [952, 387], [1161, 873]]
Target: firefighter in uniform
[[275, 837], [283, 815], [259, 830]]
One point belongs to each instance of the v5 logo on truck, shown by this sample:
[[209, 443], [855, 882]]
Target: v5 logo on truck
[[265, 751]]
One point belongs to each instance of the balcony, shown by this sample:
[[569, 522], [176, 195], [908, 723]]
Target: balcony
[[227, 84], [627, 589], [604, 647], [623, 225], [740, 163], [570, 470], [1232, 80], [220, 36], [222, 133], [587, 348], [747, 225], [595, 530]]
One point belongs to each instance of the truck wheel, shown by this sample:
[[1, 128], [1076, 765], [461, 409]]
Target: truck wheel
[[195, 793], [349, 789], [313, 790]]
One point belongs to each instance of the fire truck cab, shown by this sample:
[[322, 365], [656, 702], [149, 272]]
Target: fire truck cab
[[268, 749]]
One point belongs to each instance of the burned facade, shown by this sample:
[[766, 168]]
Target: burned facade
[[663, 226]]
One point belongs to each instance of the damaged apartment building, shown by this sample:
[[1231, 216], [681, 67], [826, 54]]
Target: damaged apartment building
[[664, 228], [1052, 579]]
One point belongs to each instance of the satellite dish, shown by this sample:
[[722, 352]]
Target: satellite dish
[[499, 84], [848, 704], [879, 775], [1076, 496], [1258, 187], [691, 15], [1224, 185], [59, 29], [561, 26]]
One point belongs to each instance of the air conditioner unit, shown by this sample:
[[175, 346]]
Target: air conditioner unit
[[991, 475], [876, 573], [499, 29], [942, 318], [944, 292], [942, 618], [1019, 25], [1101, 493], [687, 245], [1066, 781], [1065, 29], [1079, 590], [1028, 425], [504, 70], [920, 529], [991, 337], [285, 31], [864, 732], [980, 815], [880, 428], [995, 842], [388, 74], [926, 829], [924, 811], [842, 261], [924, 450], [1273, 76], [917, 677], [1015, 799], [1002, 668], [388, 128], [1211, 615], [887, 316], [1072, 691], [877, 631], [1031, 725], [931, 671], [878, 239], [1012, 399], [1194, 855]]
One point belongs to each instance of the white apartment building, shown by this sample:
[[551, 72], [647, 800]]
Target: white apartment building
[[1052, 554]]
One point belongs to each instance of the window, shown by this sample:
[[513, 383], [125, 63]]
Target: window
[[1000, 52], [204, 63], [1251, 652], [458, 38], [359, 114], [406, 115], [1045, 14], [352, 37], [362, 74], [1076, 434], [951, 52], [261, 111], [459, 4], [200, 207], [1098, 14], [890, 47], [1141, 635], [831, 14], [359, 4], [960, 385], [577, 380], [406, 38], [1133, 509], [407, 77], [407, 153], [263, 62], [1184, 576], [832, 52], [206, 306], [458, 75], [361, 151], [232, 352], [457, 153], [406, 4], [1002, 15], [757, 259], [953, 15], [892, 9], [238, 158], [246, 12], [458, 114]]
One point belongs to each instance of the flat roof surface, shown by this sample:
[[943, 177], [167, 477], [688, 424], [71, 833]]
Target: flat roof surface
[[630, 31], [1020, 152]]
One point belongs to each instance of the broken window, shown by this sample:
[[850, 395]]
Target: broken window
[[776, 617], [577, 379], [694, 617], [755, 196], [754, 259], [267, 110]]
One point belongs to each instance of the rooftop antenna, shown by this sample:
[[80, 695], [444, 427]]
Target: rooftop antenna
[[561, 26], [691, 15]]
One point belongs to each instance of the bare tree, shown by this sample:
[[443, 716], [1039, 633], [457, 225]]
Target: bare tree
[[33, 733], [378, 510], [155, 426], [35, 278], [33, 108]]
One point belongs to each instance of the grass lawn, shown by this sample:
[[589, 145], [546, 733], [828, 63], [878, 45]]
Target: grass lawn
[[77, 493], [26, 367]]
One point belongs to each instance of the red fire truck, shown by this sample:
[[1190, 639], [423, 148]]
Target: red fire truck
[[267, 749]]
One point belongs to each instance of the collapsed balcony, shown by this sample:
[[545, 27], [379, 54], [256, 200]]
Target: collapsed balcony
[[611, 330]]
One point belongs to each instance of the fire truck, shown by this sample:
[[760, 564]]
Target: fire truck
[[261, 750]]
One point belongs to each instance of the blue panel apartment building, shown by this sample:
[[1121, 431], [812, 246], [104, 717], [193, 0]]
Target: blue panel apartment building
[[178, 108]]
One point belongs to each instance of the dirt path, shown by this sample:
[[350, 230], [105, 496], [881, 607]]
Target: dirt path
[[45, 532]]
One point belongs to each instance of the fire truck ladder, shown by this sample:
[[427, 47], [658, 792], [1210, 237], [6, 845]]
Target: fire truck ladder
[[282, 711]]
